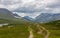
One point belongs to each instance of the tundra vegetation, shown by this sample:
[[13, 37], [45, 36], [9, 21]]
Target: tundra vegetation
[[28, 29]]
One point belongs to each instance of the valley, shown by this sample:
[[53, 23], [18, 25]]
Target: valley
[[43, 27], [17, 29]]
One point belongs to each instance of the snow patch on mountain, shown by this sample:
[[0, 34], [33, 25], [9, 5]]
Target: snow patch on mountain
[[31, 15]]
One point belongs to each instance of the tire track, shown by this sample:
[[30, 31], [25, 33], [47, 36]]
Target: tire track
[[41, 28]]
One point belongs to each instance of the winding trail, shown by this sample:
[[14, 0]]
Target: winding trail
[[31, 33], [41, 28]]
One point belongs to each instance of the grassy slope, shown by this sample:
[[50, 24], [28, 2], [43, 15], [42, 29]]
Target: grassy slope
[[19, 29], [54, 28]]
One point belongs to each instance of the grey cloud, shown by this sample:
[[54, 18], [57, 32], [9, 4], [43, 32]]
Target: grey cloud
[[54, 5], [31, 7], [9, 2]]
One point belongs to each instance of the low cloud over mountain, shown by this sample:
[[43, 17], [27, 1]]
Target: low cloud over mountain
[[31, 6]]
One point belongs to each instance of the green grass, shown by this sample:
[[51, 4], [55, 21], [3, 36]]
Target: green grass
[[54, 28], [19, 29], [54, 34]]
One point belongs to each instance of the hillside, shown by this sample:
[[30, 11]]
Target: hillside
[[5, 13], [47, 17], [15, 29], [18, 29], [54, 28], [53, 24]]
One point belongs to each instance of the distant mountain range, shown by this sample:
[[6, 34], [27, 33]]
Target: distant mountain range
[[46, 17], [43, 17], [28, 18]]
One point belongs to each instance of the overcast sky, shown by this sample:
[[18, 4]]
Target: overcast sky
[[32, 6]]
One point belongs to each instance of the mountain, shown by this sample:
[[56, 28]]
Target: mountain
[[5, 13], [43, 17], [28, 18], [46, 17], [16, 15]]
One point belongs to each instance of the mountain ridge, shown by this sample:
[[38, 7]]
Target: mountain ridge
[[5, 13], [46, 17]]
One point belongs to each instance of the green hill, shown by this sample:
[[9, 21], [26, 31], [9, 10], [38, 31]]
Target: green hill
[[15, 29], [54, 28], [5, 13], [53, 25]]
